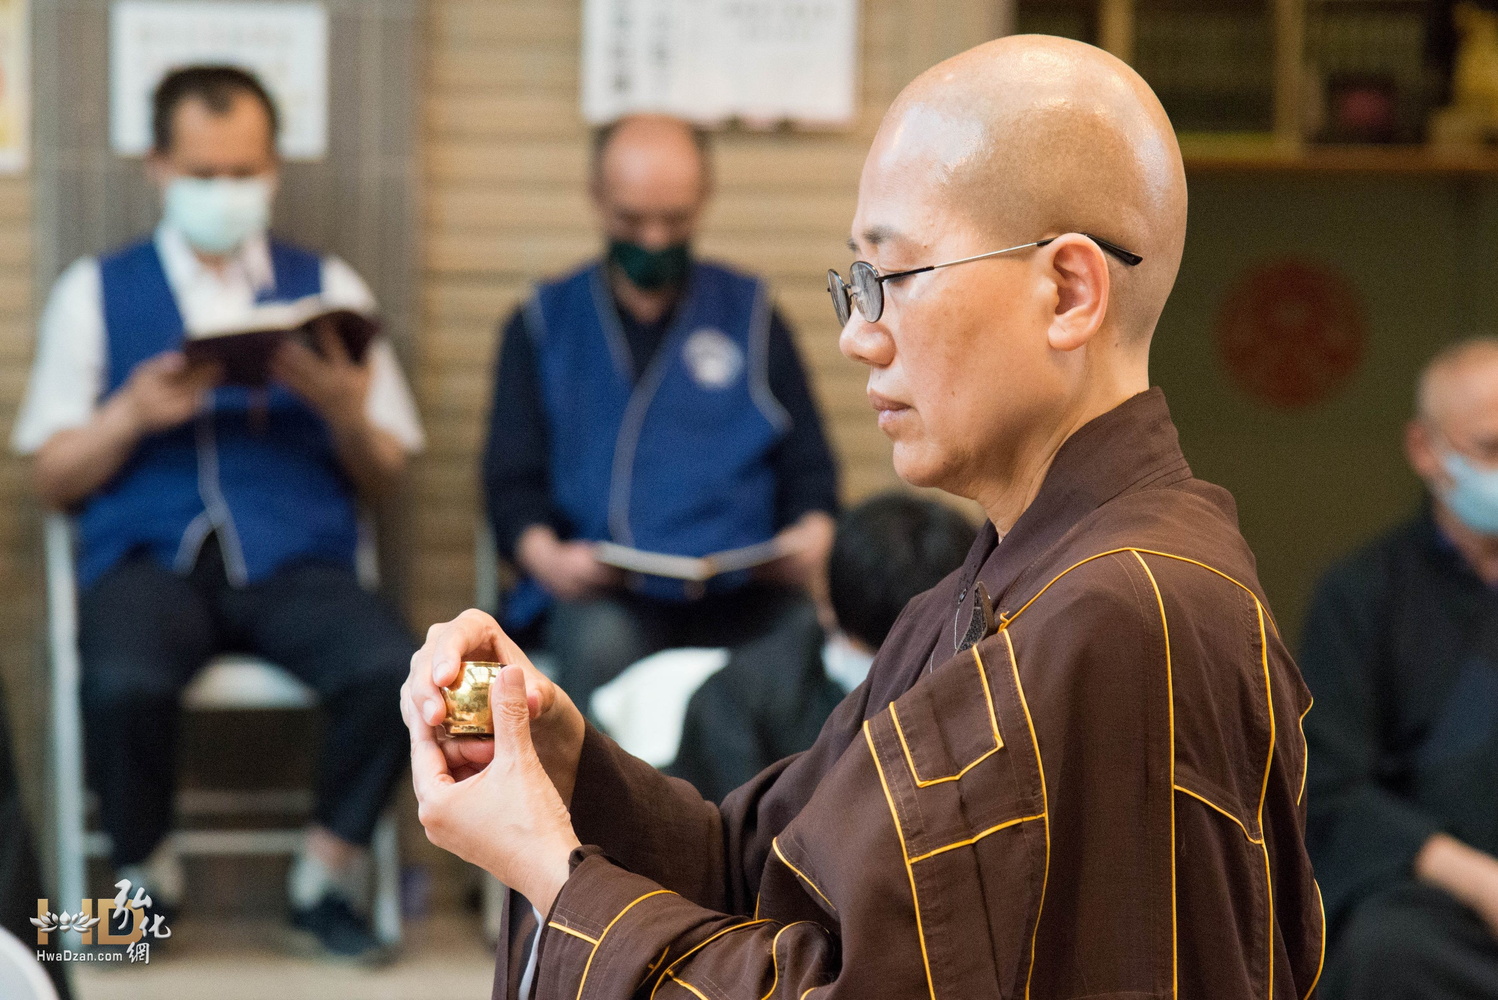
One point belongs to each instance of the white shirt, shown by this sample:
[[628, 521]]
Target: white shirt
[[67, 377]]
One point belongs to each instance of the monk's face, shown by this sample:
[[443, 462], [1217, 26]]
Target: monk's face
[[960, 369]]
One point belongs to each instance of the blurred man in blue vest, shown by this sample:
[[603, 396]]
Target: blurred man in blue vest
[[655, 400], [215, 518]]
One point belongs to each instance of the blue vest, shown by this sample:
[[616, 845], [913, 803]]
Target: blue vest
[[258, 468], [673, 459]]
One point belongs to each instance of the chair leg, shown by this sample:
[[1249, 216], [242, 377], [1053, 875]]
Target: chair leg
[[494, 907], [67, 724], [385, 852]]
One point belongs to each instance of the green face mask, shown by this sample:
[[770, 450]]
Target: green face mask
[[649, 270]]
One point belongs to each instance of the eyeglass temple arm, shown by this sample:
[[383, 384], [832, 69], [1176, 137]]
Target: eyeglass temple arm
[[1127, 256]]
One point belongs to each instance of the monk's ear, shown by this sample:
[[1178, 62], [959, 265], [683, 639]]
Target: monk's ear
[[1080, 272]]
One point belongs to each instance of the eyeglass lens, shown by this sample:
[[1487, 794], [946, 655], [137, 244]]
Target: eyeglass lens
[[866, 292], [839, 292]]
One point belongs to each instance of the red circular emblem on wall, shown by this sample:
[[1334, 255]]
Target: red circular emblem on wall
[[1291, 333]]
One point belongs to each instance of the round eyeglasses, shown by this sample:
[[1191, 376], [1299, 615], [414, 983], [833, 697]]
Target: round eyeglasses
[[865, 287]]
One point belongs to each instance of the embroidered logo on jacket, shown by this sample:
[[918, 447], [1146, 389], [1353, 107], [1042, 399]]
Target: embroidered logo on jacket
[[714, 360]]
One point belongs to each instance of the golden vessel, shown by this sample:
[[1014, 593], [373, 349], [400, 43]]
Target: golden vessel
[[468, 700]]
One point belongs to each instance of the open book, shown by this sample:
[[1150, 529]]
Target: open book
[[246, 346], [696, 569]]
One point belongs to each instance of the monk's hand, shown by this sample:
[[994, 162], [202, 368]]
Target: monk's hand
[[556, 725], [507, 817]]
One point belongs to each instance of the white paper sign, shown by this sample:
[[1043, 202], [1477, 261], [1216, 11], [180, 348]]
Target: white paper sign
[[284, 44], [15, 87], [762, 61]]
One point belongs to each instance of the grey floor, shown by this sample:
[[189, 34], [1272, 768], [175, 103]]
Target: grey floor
[[444, 957]]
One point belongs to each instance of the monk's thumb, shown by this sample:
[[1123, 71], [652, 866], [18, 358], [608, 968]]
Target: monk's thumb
[[512, 717]]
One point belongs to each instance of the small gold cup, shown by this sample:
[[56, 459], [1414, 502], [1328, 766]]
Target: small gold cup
[[468, 701]]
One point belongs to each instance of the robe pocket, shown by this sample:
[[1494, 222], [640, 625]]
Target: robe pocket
[[950, 771], [961, 774]]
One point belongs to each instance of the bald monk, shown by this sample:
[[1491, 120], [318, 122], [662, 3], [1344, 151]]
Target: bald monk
[[1075, 769], [1401, 651]]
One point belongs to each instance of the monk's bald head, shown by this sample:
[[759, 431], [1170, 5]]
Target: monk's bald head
[[1031, 136], [980, 370]]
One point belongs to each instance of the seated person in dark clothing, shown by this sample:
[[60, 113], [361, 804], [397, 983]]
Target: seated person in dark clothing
[[771, 699], [654, 400], [1401, 654], [215, 517]]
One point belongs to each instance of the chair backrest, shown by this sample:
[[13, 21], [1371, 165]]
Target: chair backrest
[[21, 976], [645, 707], [485, 567]]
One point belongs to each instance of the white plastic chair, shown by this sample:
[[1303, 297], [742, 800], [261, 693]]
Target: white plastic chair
[[226, 682], [21, 975]]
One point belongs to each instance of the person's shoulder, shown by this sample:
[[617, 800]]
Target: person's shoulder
[[1379, 557], [772, 670], [81, 275], [579, 275], [341, 285], [1118, 578]]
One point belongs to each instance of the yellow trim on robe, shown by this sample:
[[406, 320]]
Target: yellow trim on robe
[[577, 934], [581, 983], [905, 853], [1170, 688], [1264, 791], [1322, 964], [1045, 802], [993, 720], [698, 947], [775, 846]]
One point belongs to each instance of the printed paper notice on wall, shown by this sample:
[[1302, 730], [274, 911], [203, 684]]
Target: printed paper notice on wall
[[15, 87], [760, 61], [284, 44]]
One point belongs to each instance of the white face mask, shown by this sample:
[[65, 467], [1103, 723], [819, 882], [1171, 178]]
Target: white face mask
[[218, 214], [846, 665], [1473, 493]]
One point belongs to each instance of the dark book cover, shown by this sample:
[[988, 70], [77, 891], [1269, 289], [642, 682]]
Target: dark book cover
[[245, 349]]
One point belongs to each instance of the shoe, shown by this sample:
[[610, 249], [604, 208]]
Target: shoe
[[340, 931]]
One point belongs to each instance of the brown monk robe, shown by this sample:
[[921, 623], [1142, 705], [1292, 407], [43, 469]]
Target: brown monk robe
[[997, 821], [1076, 767]]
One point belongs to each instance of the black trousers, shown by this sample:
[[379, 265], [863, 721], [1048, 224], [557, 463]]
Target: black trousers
[[144, 631], [595, 640], [1411, 942]]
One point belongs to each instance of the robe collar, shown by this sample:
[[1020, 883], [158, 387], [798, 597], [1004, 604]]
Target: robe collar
[[1132, 446]]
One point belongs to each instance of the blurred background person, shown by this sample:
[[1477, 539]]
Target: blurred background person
[[1401, 653], [214, 518], [653, 399], [773, 696]]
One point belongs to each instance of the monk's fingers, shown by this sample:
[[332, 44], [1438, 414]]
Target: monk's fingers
[[421, 700], [509, 706], [429, 773], [474, 751], [473, 635]]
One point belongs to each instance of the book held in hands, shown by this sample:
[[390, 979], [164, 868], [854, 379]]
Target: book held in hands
[[245, 347], [693, 569]]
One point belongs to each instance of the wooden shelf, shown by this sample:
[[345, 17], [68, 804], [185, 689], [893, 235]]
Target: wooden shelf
[[1208, 157]]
